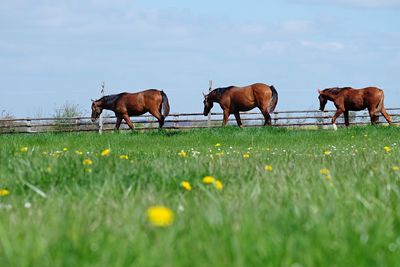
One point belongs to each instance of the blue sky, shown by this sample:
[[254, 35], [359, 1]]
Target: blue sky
[[53, 52]]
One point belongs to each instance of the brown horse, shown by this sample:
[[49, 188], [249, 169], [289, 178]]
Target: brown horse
[[125, 105], [233, 99], [347, 98]]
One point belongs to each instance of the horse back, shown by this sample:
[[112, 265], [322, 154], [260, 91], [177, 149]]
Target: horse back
[[261, 89], [373, 96], [359, 99], [138, 103], [250, 91], [247, 97]]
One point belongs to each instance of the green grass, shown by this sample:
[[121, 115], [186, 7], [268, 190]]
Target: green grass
[[291, 216]]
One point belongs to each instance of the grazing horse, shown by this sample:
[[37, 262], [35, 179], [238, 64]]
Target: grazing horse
[[233, 99], [347, 98], [125, 105]]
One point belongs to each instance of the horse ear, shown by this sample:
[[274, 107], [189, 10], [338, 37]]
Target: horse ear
[[319, 91], [204, 95], [92, 100]]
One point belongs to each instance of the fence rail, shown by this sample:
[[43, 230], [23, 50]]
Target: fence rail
[[289, 118]]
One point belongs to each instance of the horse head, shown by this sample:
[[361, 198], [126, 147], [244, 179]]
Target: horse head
[[322, 100], [208, 104], [96, 110]]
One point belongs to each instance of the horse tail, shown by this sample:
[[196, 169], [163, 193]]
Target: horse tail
[[274, 99], [380, 104], [165, 104]]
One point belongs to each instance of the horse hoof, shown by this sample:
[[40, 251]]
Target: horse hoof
[[334, 127]]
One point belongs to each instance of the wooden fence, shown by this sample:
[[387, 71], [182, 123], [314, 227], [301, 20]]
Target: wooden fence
[[292, 118]]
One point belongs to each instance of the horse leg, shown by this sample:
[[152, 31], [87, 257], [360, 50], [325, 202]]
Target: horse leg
[[267, 118], [346, 118], [374, 118], [372, 115], [161, 121], [159, 117], [337, 114], [129, 122], [226, 116], [119, 120], [237, 116], [387, 116]]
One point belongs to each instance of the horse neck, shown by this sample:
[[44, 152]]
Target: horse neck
[[214, 97], [108, 102], [330, 96], [101, 105]]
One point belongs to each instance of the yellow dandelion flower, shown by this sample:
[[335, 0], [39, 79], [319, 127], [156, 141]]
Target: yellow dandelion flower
[[24, 149], [217, 145], [186, 185], [65, 149], [4, 192], [327, 152], [160, 216], [218, 185], [268, 168], [246, 155], [324, 171], [78, 152], [123, 157], [328, 177], [395, 168], [105, 152], [208, 180], [387, 149], [87, 162], [182, 154]]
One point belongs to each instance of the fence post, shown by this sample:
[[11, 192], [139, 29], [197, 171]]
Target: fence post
[[176, 121], [276, 117], [209, 114], [323, 114], [78, 124], [101, 115], [28, 126]]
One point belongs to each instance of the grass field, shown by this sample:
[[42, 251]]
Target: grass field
[[289, 198]]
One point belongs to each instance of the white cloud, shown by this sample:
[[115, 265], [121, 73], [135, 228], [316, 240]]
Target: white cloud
[[95, 16], [298, 27], [268, 48], [252, 29], [323, 46], [353, 3]]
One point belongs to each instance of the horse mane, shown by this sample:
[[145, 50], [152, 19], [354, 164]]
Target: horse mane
[[221, 90], [109, 100], [336, 90]]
